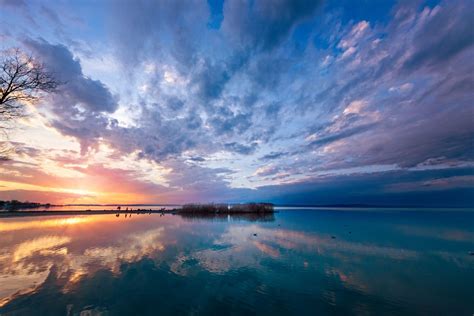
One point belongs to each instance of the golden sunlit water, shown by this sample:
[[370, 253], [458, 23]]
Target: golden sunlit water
[[293, 262]]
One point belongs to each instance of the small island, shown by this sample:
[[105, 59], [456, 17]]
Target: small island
[[227, 208], [15, 205]]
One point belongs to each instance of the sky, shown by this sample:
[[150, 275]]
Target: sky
[[290, 102]]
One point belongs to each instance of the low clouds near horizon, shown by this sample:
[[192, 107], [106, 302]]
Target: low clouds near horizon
[[296, 102]]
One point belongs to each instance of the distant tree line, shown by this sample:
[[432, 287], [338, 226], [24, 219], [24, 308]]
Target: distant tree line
[[16, 205]]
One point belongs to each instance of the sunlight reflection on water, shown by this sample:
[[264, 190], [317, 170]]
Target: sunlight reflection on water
[[295, 262]]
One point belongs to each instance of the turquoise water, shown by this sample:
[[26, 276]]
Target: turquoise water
[[296, 262]]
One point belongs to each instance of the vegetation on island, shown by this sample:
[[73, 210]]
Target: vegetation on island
[[228, 208]]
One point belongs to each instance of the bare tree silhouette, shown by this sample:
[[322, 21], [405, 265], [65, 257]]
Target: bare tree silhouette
[[22, 79]]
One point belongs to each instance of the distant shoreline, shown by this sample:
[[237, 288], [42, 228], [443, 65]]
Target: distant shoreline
[[81, 212], [107, 212]]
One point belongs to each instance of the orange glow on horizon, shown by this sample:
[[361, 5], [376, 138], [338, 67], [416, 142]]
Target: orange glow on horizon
[[61, 174], [75, 195]]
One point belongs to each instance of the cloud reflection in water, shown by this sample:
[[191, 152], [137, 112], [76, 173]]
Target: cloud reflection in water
[[210, 266]]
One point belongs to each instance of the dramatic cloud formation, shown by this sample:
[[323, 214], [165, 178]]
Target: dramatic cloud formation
[[302, 102]]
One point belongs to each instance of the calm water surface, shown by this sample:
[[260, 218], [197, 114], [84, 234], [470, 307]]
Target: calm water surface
[[298, 262]]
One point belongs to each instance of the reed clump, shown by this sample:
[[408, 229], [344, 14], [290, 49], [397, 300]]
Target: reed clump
[[212, 208]]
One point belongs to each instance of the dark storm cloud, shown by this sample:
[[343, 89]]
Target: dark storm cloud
[[265, 24], [175, 103], [273, 155], [77, 88], [448, 33], [227, 122], [213, 76], [342, 134], [197, 159], [241, 148]]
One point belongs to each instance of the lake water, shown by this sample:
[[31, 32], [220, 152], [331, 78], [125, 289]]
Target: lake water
[[295, 262]]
